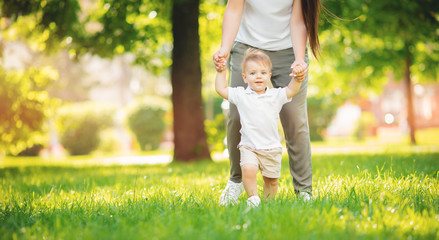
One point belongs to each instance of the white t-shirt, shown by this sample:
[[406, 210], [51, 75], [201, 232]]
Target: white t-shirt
[[259, 114], [265, 24]]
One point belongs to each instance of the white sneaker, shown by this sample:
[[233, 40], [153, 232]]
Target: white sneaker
[[231, 193], [253, 201], [304, 196]]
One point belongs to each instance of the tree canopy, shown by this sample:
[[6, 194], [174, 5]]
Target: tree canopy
[[401, 37]]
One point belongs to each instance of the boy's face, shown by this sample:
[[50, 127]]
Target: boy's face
[[257, 76]]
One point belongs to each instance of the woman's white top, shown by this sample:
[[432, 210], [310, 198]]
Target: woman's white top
[[265, 24]]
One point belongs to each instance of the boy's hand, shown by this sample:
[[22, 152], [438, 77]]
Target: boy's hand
[[299, 69], [220, 59], [298, 72]]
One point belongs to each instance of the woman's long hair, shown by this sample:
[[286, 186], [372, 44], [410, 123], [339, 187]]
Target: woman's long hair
[[311, 16]]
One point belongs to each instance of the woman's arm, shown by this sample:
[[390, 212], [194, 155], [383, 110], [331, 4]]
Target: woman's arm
[[231, 21], [299, 35]]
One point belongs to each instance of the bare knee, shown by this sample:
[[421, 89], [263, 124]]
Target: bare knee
[[249, 169], [272, 182]]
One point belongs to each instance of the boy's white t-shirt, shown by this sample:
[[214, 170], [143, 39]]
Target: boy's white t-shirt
[[259, 114], [265, 24]]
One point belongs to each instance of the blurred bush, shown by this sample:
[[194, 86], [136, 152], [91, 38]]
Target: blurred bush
[[108, 142], [32, 151], [321, 110], [80, 124], [216, 132], [365, 126], [147, 120]]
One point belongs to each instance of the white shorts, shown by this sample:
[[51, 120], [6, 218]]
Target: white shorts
[[267, 160]]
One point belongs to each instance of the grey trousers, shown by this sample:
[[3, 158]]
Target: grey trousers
[[293, 116]]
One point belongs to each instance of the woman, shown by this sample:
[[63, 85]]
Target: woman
[[281, 29]]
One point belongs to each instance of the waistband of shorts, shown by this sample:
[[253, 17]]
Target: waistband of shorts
[[254, 149]]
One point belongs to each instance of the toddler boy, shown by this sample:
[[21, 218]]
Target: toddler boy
[[258, 107]]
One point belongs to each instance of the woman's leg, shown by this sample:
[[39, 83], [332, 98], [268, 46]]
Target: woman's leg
[[294, 119]]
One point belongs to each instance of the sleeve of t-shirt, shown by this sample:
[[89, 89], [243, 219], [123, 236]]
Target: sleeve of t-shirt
[[234, 93], [283, 96]]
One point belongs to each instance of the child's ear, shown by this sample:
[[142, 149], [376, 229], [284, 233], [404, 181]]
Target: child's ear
[[244, 77]]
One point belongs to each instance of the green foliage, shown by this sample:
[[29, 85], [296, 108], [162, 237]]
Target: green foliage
[[80, 124], [139, 27], [357, 55], [147, 122], [104, 27], [365, 125], [216, 132], [357, 196], [320, 113], [385, 33], [351, 65], [24, 106], [51, 21]]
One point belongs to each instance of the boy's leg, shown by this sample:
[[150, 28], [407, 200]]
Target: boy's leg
[[249, 173], [270, 161], [250, 166], [294, 119], [270, 187]]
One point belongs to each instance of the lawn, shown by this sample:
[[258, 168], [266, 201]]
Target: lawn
[[356, 196]]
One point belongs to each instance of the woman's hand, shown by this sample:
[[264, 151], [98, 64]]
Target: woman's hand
[[299, 69], [220, 59]]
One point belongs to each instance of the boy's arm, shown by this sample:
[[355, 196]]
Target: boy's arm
[[293, 88], [221, 84]]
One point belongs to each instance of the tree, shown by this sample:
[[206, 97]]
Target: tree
[[397, 36], [190, 137]]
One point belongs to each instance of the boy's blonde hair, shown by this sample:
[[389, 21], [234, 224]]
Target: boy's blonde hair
[[255, 55]]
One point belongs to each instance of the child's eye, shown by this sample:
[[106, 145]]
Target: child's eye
[[252, 73]]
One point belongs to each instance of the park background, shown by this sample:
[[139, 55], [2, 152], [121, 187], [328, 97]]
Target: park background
[[108, 108]]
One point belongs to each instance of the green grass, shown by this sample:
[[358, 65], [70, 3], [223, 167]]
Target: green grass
[[357, 196]]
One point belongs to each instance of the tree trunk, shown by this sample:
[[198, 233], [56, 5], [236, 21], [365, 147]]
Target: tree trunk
[[410, 113], [189, 136]]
